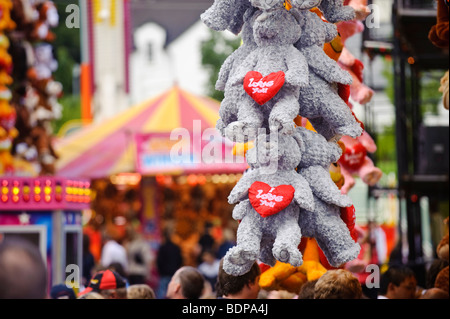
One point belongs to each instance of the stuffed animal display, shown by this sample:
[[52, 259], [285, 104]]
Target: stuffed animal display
[[439, 36], [355, 160], [34, 92], [442, 278], [279, 73], [8, 115]]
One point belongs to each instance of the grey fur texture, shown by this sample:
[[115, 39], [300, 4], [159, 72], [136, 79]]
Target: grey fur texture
[[226, 15], [317, 156], [324, 222], [235, 93], [275, 33], [321, 104], [335, 11], [275, 237], [315, 33]]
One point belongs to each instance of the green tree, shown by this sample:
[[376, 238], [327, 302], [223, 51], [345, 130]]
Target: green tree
[[67, 48], [215, 51]]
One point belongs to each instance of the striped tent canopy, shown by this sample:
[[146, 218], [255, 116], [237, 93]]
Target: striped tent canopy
[[103, 149]]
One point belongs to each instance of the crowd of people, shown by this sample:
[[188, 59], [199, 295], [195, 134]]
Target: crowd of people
[[124, 273]]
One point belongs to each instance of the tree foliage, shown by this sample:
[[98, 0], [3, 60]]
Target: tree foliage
[[215, 51]]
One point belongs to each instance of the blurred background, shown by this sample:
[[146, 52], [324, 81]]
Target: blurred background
[[125, 73]]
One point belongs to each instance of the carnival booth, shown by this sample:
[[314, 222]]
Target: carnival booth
[[47, 212], [161, 163]]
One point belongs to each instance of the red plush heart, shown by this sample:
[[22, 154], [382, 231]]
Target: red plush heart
[[268, 200], [263, 89], [353, 156]]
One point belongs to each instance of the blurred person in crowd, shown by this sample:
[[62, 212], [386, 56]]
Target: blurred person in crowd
[[238, 287], [436, 266], [186, 283], [209, 267], [118, 268], [168, 261], [140, 291], [337, 284], [307, 290], [61, 291], [91, 295], [88, 261], [281, 294], [434, 293], [23, 274], [229, 241], [112, 252], [206, 240], [139, 258], [107, 283], [398, 282]]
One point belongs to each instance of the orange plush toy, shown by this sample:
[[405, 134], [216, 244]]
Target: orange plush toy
[[442, 279], [438, 34]]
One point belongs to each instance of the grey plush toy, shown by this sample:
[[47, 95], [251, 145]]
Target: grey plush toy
[[271, 75], [315, 33], [335, 11], [320, 102], [317, 156], [235, 93], [326, 110], [226, 15], [269, 208], [324, 222]]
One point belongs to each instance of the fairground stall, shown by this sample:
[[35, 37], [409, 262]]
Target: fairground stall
[[47, 211]]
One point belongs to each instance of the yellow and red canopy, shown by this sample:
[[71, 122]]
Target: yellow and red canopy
[[103, 149]]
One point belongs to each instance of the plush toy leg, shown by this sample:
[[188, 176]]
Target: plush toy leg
[[330, 232], [285, 248], [266, 254], [320, 99], [250, 119], [325, 67], [323, 186], [311, 267], [369, 173], [228, 109], [239, 259], [284, 111]]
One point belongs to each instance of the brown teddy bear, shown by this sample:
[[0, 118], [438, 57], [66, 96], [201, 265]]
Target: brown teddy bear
[[442, 279]]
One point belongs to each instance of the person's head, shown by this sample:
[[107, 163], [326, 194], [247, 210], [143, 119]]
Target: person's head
[[208, 256], [398, 282], [140, 291], [62, 291], [337, 284], [91, 295], [307, 290], [107, 283], [435, 293], [243, 287], [118, 268], [186, 283], [23, 274]]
